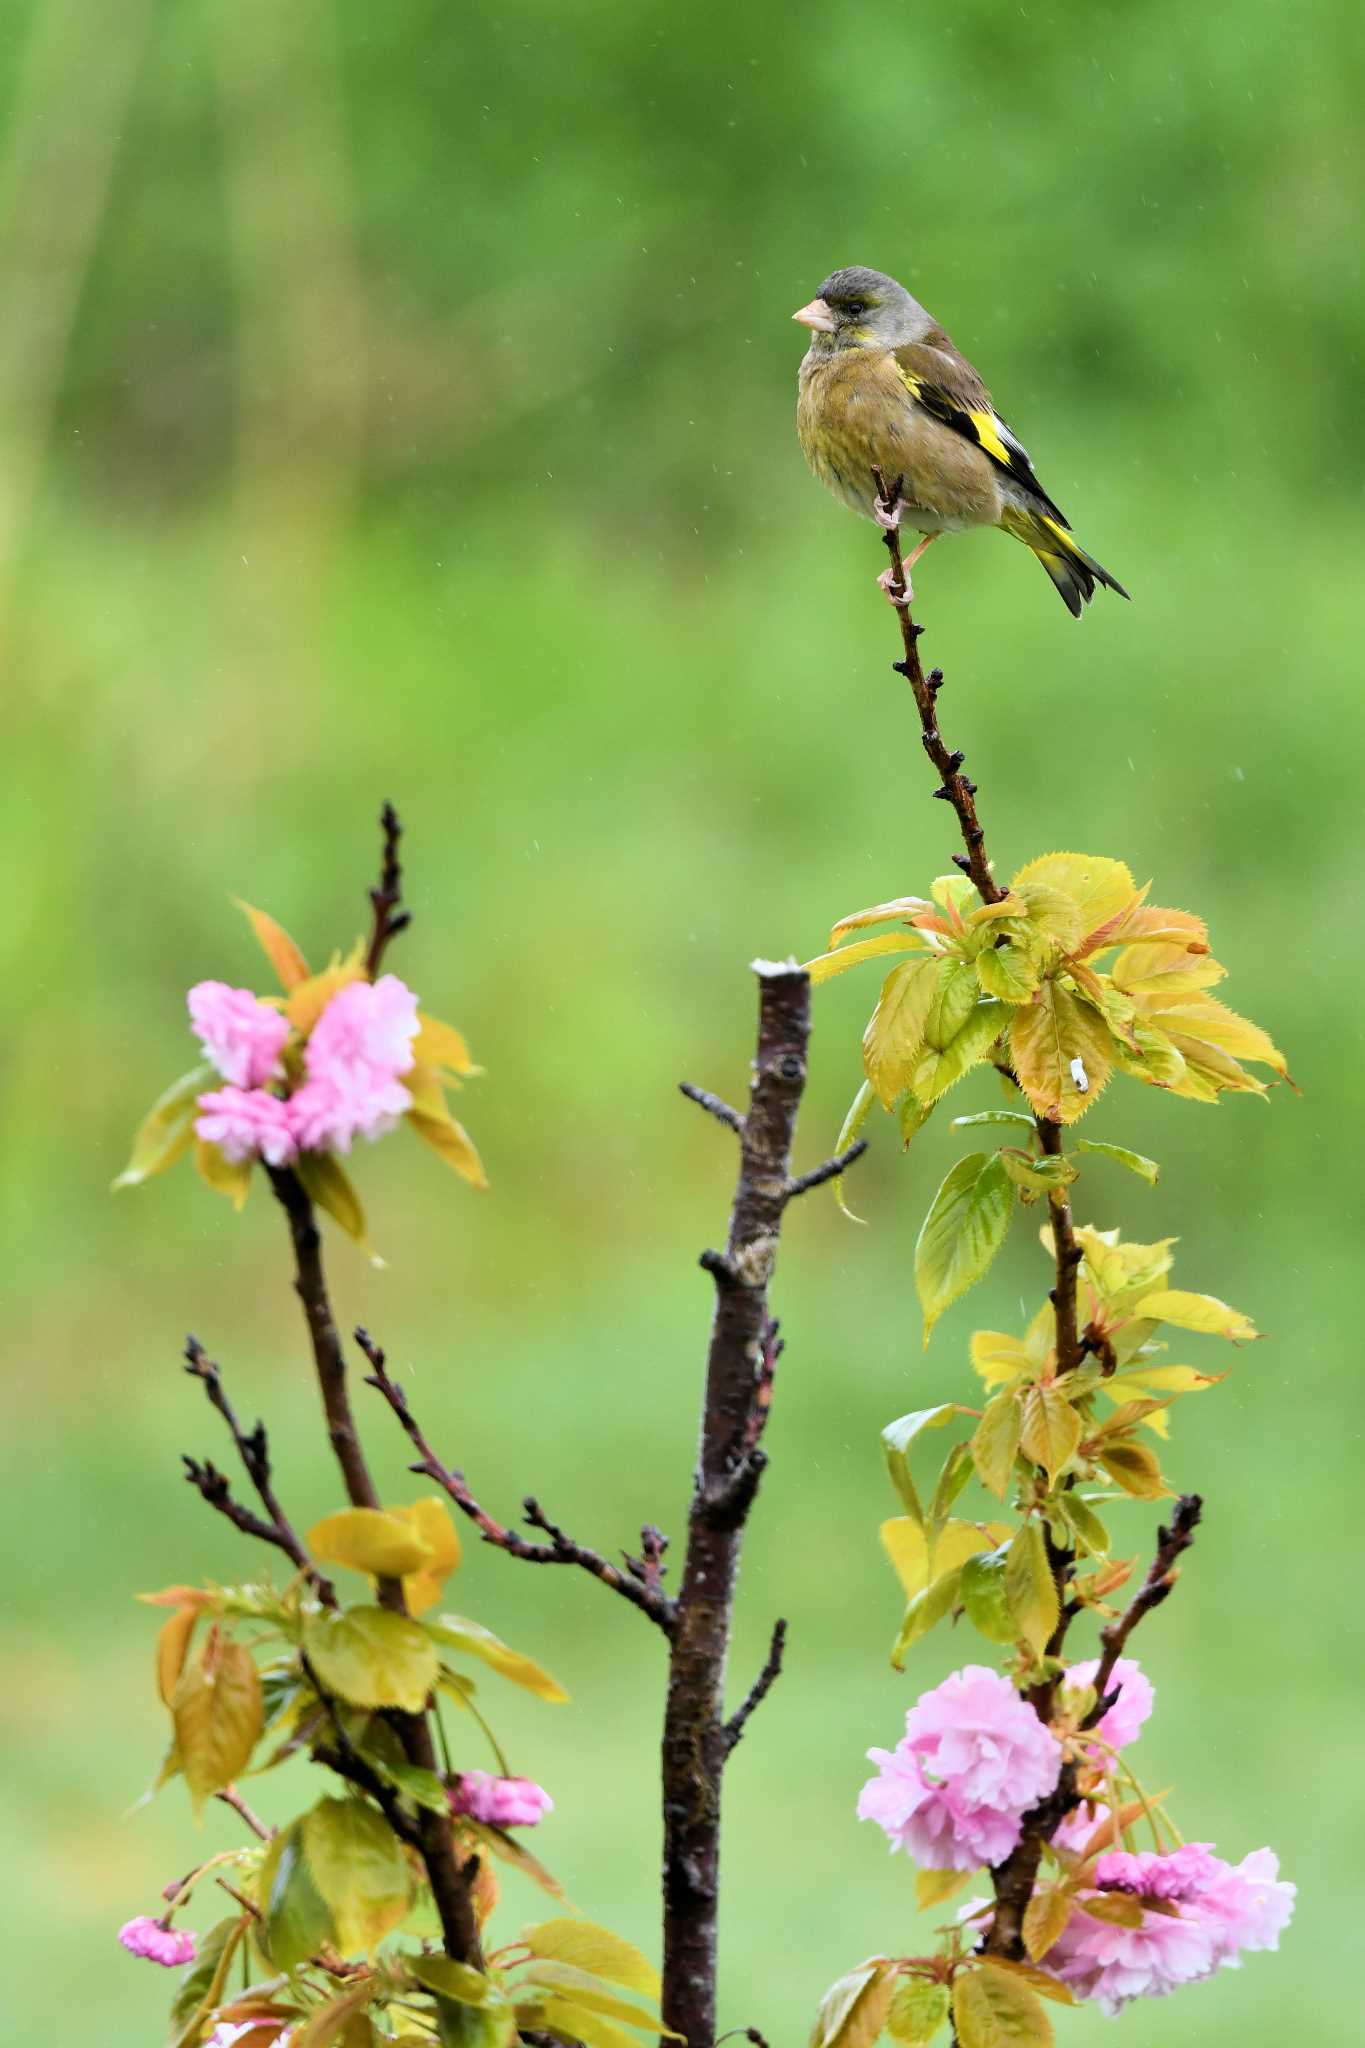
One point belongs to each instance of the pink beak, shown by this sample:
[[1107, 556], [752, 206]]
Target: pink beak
[[817, 316]]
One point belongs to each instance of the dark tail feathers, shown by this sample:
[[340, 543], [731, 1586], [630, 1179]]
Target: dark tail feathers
[[1074, 572]]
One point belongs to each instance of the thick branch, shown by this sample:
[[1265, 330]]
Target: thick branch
[[639, 1583], [697, 1739], [955, 788], [386, 899]]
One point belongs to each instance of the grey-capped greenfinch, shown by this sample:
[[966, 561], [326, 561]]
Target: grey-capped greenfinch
[[882, 387]]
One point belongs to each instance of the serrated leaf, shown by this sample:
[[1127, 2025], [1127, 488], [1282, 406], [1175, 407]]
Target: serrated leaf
[[1089, 1531], [230, 1177], [460, 1981], [858, 1112], [1054, 1041], [358, 1865], [1045, 1920], [1030, 1589], [1101, 889], [1136, 1162], [1160, 968], [901, 907], [982, 1593], [1205, 1017], [372, 1658], [935, 1887], [895, 1030], [368, 1540], [217, 1713], [994, 2008], [1045, 1176], [1201, 1312], [330, 1187], [275, 942], [451, 1142], [1050, 1428], [826, 965], [917, 2011], [964, 1229], [596, 1949], [1135, 1469], [474, 1640], [995, 1443], [1159, 1381], [167, 1131], [853, 2011], [937, 1069], [580, 1988], [1009, 971], [296, 1922]]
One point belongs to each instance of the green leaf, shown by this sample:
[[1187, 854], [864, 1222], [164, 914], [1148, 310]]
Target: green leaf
[[475, 1640], [853, 2011], [957, 1470], [167, 1131], [983, 1599], [343, 2019], [917, 2011], [597, 1949], [1041, 1176], [217, 1713], [1089, 1531], [201, 1987], [492, 2025], [372, 1658], [1030, 1588], [1050, 1427], [962, 1233], [297, 1920], [897, 1438], [566, 1980], [460, 1981], [936, 1070], [858, 1112], [568, 2020], [995, 1443], [1135, 1469], [981, 1117], [1201, 1312], [925, 1611], [358, 1865], [895, 1030], [329, 1185], [1136, 1162], [994, 2008]]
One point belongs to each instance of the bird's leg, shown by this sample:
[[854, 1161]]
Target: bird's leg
[[888, 517], [887, 579]]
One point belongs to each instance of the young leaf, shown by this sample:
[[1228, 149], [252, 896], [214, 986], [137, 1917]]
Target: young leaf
[[994, 2008], [1089, 1531], [962, 1233], [500, 1844], [1136, 1162], [167, 1131], [452, 1143], [925, 1610], [1045, 1920], [567, 2020], [858, 1112], [297, 1922], [997, 1358], [938, 1067], [995, 1443], [578, 1987], [474, 1640], [217, 1713], [1158, 968], [1009, 971], [917, 2011], [1135, 1469], [441, 1045], [907, 1546], [597, 1949], [460, 1981], [853, 2011], [897, 1438], [331, 1188], [935, 1887], [430, 1520], [982, 1593], [1014, 1117], [956, 1471], [372, 1658], [900, 907], [368, 1540], [230, 1177], [1201, 1312], [895, 1030], [827, 965], [358, 1865], [1039, 1176], [172, 1647], [1030, 1589], [1050, 1427], [1061, 1052], [279, 949], [1101, 889], [342, 2020]]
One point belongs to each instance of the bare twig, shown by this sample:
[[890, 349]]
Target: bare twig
[[216, 1489], [230, 1796], [1172, 1541], [635, 1585], [761, 1687], [387, 897], [713, 1105], [830, 1169]]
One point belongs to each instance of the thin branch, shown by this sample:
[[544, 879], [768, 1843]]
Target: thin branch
[[956, 788], [1067, 1252], [215, 1488], [829, 1170], [1172, 1541], [230, 1796], [713, 1105], [761, 1687], [634, 1585], [386, 899]]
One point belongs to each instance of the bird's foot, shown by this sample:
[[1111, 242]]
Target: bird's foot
[[887, 582], [888, 517]]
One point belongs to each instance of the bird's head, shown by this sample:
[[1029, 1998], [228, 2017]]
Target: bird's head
[[860, 308]]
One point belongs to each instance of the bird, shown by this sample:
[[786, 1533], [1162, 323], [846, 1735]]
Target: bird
[[883, 387]]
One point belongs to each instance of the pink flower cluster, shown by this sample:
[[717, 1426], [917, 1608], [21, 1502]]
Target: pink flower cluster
[[1199, 1914], [1119, 1725], [973, 1759], [168, 1946], [500, 1802], [352, 1061]]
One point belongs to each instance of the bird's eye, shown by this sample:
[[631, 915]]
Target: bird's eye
[[855, 308]]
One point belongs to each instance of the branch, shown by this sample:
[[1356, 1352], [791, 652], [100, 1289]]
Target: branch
[[956, 788], [830, 1169], [214, 1487], [639, 1583], [386, 899], [1068, 1254], [761, 1687], [1172, 1542], [713, 1106]]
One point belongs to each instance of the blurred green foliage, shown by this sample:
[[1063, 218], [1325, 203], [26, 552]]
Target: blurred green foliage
[[398, 403]]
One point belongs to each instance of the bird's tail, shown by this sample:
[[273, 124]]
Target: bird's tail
[[1074, 572]]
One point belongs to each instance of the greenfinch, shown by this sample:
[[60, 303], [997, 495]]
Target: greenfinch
[[882, 387]]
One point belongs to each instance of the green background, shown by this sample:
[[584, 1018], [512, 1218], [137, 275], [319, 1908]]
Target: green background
[[398, 402]]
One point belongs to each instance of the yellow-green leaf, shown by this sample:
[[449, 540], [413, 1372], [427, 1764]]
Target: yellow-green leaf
[[475, 1640], [902, 907], [217, 1713], [297, 1922], [368, 1540], [372, 1658], [962, 1233], [917, 2011], [429, 1519], [895, 1030], [230, 1177], [1201, 1312], [982, 1593], [1204, 1017], [897, 1438], [441, 1045], [924, 1612], [826, 965], [1135, 1469], [451, 1142], [308, 999], [567, 1981], [853, 2011], [1050, 1427], [172, 1647], [328, 1184], [1160, 968], [597, 1949], [1030, 1589], [1136, 1162], [935, 1887], [858, 1112], [343, 2019], [567, 2020], [938, 1068], [1009, 971], [358, 1865], [279, 949], [906, 1545], [1099, 888], [998, 1358], [201, 1987], [995, 1443], [1061, 1052], [994, 2008], [167, 1131], [1045, 1919]]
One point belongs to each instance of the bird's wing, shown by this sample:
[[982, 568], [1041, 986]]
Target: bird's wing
[[948, 388]]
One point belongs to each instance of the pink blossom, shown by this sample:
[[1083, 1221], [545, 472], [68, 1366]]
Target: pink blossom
[[242, 1036], [1113, 1964], [325, 1118], [168, 1946], [1247, 1905], [228, 2033], [247, 1122], [1181, 1874], [1120, 1724], [359, 1046], [973, 1759], [500, 1802], [1080, 1824]]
